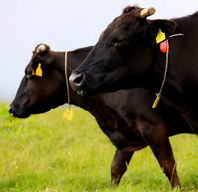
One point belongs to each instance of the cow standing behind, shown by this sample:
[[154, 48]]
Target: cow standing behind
[[126, 117]]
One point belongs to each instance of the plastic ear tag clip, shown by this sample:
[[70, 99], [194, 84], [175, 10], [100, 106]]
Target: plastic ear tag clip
[[68, 114], [39, 71], [160, 36], [164, 46]]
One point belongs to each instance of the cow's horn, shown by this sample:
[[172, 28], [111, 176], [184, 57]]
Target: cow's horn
[[147, 12], [41, 48]]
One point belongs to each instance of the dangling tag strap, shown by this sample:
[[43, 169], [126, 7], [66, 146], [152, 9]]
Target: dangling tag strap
[[68, 113], [165, 72], [164, 48]]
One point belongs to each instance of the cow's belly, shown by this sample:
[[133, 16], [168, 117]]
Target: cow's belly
[[129, 143]]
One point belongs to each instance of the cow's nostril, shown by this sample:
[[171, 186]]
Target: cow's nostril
[[76, 80], [10, 110]]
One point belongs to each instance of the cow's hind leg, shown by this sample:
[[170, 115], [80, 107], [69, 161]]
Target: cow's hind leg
[[161, 147], [119, 165]]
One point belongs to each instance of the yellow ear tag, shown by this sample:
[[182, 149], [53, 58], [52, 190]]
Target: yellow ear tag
[[68, 114], [160, 36], [156, 101], [33, 72], [39, 71]]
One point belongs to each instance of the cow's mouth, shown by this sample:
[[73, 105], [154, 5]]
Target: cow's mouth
[[13, 113], [80, 92]]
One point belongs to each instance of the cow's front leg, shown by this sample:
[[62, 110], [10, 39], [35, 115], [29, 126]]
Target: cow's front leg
[[164, 154], [159, 143], [119, 165]]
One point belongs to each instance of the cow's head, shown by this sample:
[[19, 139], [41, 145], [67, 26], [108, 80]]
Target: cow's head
[[38, 93], [124, 53]]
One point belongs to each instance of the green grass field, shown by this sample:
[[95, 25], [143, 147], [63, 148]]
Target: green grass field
[[45, 153]]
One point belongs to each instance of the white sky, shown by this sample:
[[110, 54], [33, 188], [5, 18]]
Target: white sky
[[64, 25]]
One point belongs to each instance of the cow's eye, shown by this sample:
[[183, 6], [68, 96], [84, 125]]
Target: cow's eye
[[29, 74], [119, 42]]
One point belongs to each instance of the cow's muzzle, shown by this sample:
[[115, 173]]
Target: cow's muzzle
[[17, 113]]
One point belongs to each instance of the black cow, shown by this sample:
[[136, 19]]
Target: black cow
[[128, 56], [126, 117]]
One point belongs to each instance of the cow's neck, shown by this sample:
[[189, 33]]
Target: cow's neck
[[182, 82], [74, 59], [96, 105]]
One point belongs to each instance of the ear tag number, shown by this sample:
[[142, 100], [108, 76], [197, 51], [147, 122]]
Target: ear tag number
[[68, 114], [39, 71], [160, 36]]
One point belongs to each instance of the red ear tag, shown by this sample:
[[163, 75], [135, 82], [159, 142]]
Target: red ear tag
[[164, 46]]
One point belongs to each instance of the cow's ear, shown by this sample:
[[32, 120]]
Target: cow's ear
[[47, 58], [157, 26], [43, 55], [42, 59]]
